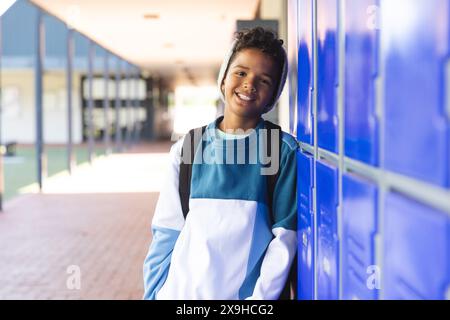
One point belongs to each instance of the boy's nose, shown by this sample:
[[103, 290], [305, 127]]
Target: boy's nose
[[249, 86]]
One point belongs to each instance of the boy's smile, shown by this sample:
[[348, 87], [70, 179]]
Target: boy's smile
[[249, 86]]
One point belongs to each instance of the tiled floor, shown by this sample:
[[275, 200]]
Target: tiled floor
[[87, 235]]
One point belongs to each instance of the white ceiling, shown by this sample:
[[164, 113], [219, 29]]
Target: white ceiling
[[189, 39]]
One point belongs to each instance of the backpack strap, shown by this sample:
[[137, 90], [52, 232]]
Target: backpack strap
[[272, 179], [190, 143]]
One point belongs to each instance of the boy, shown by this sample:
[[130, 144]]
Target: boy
[[233, 244]]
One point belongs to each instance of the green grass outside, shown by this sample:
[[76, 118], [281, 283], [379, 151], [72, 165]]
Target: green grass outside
[[20, 171]]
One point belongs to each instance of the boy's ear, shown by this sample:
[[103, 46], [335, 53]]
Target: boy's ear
[[222, 87]]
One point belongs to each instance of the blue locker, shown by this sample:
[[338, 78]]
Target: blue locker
[[361, 70], [415, 51], [305, 183], [328, 244], [292, 57], [416, 250], [358, 244], [305, 72], [327, 74]]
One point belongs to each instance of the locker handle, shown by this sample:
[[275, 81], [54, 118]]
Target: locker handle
[[311, 114], [447, 88]]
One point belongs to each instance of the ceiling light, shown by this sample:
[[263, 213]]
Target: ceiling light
[[152, 16]]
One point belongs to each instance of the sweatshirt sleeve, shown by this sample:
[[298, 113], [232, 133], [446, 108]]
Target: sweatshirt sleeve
[[168, 220], [281, 250]]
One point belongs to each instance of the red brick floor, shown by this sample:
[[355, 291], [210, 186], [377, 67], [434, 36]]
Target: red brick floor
[[103, 234]]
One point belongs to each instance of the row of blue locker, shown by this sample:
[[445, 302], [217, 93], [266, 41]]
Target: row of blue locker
[[415, 245], [396, 69]]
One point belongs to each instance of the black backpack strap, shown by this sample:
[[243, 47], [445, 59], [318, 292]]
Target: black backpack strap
[[272, 179], [190, 143]]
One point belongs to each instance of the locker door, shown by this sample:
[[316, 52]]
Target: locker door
[[416, 250], [292, 56], [327, 74], [361, 70], [358, 244], [305, 72], [415, 42], [306, 256], [328, 246]]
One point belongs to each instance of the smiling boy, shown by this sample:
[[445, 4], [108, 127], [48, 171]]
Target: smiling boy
[[236, 239]]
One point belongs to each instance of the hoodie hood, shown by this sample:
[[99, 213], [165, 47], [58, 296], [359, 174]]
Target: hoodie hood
[[278, 90]]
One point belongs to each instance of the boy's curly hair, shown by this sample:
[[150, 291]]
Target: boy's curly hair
[[263, 39]]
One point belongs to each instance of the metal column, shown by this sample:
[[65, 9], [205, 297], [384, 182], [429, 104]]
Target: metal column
[[106, 138], [136, 108], [90, 120], [133, 104], [40, 45], [128, 104], [118, 107], [69, 74], [1, 151]]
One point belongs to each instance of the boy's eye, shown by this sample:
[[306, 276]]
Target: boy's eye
[[266, 82], [240, 73]]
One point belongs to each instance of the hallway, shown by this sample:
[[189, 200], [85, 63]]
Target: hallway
[[95, 224]]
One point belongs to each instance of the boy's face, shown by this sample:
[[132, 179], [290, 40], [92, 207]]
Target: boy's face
[[250, 83]]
